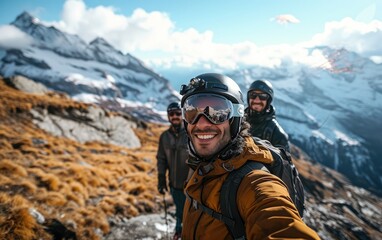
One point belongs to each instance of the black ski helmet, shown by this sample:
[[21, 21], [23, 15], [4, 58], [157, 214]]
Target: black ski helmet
[[264, 86], [217, 84], [173, 106]]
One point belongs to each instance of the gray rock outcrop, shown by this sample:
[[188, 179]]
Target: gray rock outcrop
[[26, 85], [93, 125]]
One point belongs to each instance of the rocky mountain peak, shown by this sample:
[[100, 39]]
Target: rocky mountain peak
[[66, 63], [320, 116], [76, 175], [25, 20], [313, 103], [99, 41]]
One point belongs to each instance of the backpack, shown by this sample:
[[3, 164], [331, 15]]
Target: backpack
[[281, 167]]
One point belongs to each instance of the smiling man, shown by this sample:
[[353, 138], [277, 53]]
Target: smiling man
[[171, 157], [261, 115], [219, 143], [207, 137]]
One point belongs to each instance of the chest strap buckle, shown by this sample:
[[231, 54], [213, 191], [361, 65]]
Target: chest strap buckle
[[195, 203]]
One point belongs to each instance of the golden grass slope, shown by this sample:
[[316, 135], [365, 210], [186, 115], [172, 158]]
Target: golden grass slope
[[84, 185], [80, 185]]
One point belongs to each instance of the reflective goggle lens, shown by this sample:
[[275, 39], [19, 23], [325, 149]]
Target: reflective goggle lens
[[215, 108]]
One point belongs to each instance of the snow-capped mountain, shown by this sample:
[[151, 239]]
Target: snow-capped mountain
[[91, 72], [333, 113]]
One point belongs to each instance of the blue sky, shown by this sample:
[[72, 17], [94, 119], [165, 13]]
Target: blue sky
[[212, 33], [231, 21]]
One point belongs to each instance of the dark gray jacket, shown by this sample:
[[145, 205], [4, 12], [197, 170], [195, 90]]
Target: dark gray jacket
[[172, 155]]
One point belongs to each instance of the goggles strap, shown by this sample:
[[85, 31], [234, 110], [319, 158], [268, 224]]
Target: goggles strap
[[238, 110]]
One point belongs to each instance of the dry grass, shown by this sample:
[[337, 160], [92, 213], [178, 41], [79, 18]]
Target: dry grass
[[81, 185], [15, 220], [318, 180]]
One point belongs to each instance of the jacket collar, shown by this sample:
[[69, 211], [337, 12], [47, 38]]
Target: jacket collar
[[251, 152], [251, 116]]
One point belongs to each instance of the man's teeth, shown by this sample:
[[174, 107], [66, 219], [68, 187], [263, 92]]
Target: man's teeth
[[205, 136]]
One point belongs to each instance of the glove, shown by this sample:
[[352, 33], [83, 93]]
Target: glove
[[162, 185]]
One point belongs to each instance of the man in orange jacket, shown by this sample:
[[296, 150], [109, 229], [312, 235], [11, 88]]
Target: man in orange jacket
[[219, 142]]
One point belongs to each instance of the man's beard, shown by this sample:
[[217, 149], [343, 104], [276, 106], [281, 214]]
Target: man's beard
[[176, 125], [262, 107]]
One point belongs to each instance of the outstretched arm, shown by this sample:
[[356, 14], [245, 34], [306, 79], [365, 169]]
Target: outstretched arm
[[268, 211]]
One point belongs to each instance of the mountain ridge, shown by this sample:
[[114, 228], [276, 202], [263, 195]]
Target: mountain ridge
[[91, 71], [331, 110], [92, 189]]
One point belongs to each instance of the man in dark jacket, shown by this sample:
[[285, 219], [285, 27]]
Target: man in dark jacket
[[261, 115], [171, 156]]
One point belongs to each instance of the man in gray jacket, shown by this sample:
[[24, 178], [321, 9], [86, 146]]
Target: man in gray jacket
[[171, 156]]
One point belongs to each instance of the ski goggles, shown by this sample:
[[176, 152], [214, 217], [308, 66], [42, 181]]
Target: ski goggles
[[262, 96], [215, 108]]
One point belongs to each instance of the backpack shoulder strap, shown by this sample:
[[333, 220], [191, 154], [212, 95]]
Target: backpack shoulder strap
[[228, 196], [197, 205]]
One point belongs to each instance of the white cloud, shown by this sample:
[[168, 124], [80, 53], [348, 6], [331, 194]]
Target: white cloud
[[286, 19], [154, 35], [363, 38], [142, 30], [12, 37], [376, 59]]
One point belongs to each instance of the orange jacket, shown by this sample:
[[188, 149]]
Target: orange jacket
[[263, 202]]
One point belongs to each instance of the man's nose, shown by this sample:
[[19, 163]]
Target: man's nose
[[257, 99], [203, 121]]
